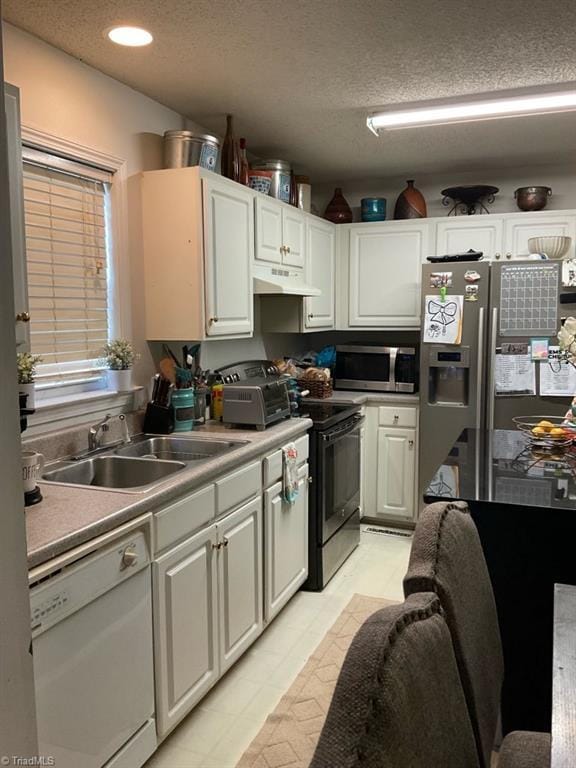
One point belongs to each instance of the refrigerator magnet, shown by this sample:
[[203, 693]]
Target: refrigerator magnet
[[471, 293], [440, 279], [539, 349], [472, 276]]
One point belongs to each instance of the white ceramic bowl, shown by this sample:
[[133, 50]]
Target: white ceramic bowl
[[553, 247]]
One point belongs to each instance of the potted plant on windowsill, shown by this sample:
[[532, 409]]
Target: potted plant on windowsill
[[120, 358], [26, 373]]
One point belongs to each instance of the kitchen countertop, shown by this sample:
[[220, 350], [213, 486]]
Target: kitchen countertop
[[500, 467], [69, 516], [368, 398]]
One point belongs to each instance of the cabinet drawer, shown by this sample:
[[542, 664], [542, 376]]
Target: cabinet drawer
[[394, 416], [183, 518], [273, 462], [240, 486]]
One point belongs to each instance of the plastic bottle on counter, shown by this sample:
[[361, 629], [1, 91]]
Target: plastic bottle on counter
[[217, 401]]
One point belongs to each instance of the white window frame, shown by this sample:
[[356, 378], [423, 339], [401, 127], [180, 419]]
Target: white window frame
[[120, 322]]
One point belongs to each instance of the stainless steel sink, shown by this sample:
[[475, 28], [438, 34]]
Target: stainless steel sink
[[171, 448], [116, 472]]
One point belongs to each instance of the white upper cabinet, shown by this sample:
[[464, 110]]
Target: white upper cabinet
[[520, 227], [384, 273], [460, 233], [198, 242], [280, 233], [294, 235], [320, 273], [229, 247], [268, 230]]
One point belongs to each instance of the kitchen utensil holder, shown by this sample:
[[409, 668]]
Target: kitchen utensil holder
[[159, 419]]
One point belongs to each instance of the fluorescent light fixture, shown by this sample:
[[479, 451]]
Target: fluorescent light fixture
[[131, 36], [485, 107]]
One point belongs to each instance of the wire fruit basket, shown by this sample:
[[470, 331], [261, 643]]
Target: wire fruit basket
[[546, 432]]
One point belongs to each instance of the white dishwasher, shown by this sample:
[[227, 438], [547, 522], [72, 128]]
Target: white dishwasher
[[93, 661]]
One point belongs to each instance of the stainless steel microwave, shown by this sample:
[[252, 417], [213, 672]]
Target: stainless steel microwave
[[376, 369]]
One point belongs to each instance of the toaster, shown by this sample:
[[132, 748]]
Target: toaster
[[257, 402]]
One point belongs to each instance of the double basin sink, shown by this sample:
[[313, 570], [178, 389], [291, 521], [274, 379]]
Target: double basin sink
[[139, 465]]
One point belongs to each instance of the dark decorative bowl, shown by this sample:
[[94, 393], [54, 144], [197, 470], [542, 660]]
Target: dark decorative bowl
[[468, 199], [532, 198]]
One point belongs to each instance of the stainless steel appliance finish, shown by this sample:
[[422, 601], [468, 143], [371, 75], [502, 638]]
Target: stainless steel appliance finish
[[257, 402], [118, 472], [376, 368], [334, 500], [457, 388], [186, 449]]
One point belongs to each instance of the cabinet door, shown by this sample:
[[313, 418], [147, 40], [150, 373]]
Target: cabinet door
[[239, 581], [385, 264], [460, 234], [185, 627], [293, 237], [12, 107], [320, 273], [524, 226], [286, 544], [268, 230], [396, 472], [228, 255]]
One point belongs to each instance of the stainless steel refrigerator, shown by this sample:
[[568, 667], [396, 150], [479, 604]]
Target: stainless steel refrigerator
[[504, 306]]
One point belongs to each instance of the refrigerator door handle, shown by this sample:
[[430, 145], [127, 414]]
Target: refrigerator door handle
[[479, 368], [492, 376]]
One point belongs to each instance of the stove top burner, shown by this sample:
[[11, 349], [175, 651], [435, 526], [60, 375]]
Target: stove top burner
[[327, 414]]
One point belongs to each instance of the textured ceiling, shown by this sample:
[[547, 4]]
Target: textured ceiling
[[301, 75]]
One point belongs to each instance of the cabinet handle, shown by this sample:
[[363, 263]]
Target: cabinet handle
[[217, 546], [287, 249], [497, 256], [508, 255], [213, 320], [309, 480], [225, 542], [282, 249], [396, 418], [410, 445], [310, 316], [23, 317]]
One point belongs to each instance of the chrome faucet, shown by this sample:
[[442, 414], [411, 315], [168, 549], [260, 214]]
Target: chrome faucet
[[97, 432]]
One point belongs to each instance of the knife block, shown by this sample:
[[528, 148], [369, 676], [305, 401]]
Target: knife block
[[159, 419]]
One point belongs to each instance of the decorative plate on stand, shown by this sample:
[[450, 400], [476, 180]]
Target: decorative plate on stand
[[469, 200]]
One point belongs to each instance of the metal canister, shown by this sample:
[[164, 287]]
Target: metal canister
[[183, 149], [304, 193], [280, 169]]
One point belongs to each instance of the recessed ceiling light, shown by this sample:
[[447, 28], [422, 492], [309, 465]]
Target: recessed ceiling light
[[493, 107], [132, 36]]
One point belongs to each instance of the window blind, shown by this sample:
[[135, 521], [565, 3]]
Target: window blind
[[67, 269]]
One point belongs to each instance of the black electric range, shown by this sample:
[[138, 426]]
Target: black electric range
[[334, 498]]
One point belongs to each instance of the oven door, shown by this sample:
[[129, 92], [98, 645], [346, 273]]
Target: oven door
[[365, 368], [339, 475]]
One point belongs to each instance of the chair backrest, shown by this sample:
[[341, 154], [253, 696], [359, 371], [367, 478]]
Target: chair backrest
[[398, 702], [447, 559]]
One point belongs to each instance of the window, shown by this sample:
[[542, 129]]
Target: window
[[66, 207]]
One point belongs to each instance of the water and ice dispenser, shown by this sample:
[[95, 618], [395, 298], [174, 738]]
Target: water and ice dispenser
[[448, 375]]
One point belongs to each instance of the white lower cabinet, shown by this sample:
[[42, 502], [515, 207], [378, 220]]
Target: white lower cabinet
[[208, 609], [239, 581], [396, 472], [286, 544], [186, 626]]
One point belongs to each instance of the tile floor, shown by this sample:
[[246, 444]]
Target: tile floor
[[217, 732]]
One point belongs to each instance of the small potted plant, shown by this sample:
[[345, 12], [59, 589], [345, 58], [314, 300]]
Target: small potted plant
[[119, 358], [26, 372]]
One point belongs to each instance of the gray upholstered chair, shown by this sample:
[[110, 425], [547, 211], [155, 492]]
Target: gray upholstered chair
[[447, 559], [398, 702]]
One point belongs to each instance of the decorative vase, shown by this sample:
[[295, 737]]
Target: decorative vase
[[338, 211], [29, 390], [373, 208], [230, 164], [120, 380], [410, 203]]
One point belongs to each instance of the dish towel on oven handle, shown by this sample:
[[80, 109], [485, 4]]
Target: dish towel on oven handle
[[290, 472]]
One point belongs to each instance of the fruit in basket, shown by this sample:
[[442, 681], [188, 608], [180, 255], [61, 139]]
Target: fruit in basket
[[546, 425], [557, 432], [539, 431]]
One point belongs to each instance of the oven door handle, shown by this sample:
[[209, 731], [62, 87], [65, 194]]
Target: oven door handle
[[333, 435]]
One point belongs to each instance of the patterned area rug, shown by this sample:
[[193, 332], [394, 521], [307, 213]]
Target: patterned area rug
[[288, 737]]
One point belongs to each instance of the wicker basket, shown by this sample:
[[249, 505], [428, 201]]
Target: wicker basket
[[319, 389]]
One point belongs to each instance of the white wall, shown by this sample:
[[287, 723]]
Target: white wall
[[68, 99], [562, 180]]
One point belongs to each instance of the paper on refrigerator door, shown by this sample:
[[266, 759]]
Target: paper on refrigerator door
[[515, 375], [557, 379], [443, 320]]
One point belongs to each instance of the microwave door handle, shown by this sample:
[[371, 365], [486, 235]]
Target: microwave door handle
[[393, 355]]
